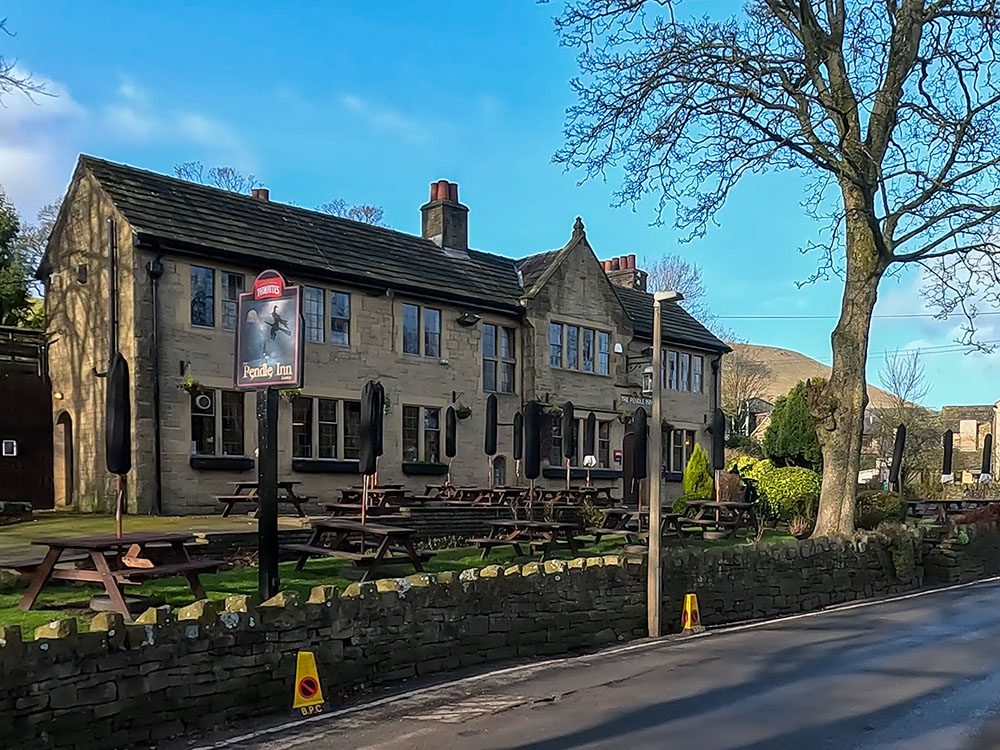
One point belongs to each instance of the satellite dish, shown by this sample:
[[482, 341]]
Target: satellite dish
[[590, 461]]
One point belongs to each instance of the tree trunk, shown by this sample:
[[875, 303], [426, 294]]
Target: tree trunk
[[840, 405]]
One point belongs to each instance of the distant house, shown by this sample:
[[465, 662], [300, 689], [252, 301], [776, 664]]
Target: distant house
[[971, 425]]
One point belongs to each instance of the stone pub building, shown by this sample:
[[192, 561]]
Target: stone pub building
[[152, 266]]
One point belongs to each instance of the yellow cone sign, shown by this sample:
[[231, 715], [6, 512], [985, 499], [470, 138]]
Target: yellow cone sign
[[690, 617], [308, 693]]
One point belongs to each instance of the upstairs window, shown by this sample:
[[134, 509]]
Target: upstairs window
[[499, 363], [697, 366], [312, 310], [421, 330], [572, 348], [340, 318], [555, 344], [232, 288], [584, 349], [603, 352], [202, 296]]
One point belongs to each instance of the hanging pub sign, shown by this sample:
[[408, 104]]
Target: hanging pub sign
[[269, 334]]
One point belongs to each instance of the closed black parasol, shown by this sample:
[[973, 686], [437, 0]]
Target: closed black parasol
[[118, 431]]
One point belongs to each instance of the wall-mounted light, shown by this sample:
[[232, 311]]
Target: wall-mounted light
[[468, 319], [58, 396], [647, 381]]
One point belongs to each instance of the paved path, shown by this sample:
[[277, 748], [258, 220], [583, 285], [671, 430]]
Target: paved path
[[920, 672]]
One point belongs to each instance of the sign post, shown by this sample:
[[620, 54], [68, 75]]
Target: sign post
[[268, 356]]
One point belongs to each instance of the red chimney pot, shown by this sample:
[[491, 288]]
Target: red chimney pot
[[615, 265], [434, 190], [442, 190], [261, 194], [453, 192]]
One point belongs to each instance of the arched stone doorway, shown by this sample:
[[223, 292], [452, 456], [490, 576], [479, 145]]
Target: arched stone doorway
[[62, 460], [499, 471]]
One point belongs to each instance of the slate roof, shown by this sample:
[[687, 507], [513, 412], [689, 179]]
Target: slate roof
[[677, 323], [187, 217], [179, 211]]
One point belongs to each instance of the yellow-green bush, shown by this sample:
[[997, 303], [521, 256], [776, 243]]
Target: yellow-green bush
[[759, 469], [788, 491]]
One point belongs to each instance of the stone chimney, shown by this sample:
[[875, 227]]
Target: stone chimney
[[445, 221], [261, 194], [622, 271]]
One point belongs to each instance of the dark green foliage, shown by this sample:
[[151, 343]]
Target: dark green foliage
[[745, 444], [874, 507], [697, 475], [791, 437]]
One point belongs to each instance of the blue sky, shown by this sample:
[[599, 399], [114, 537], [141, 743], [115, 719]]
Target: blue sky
[[370, 102]]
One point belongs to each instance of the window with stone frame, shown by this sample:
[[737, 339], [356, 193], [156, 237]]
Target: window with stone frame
[[302, 421], [603, 353], [604, 444], [313, 311], [421, 330], [421, 434], [499, 362], [232, 423], [697, 374], [202, 296], [555, 345], [685, 371], [572, 347], [326, 428], [340, 318], [217, 413], [203, 423], [232, 288]]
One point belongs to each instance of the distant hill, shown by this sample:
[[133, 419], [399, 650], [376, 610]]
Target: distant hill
[[789, 367]]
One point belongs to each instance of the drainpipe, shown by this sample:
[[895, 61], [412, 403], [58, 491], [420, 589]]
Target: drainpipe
[[112, 291], [155, 270]]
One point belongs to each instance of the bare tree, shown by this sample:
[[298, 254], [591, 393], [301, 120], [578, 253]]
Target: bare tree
[[891, 108], [226, 178], [676, 274], [29, 243], [11, 79], [902, 376], [362, 212], [745, 377]]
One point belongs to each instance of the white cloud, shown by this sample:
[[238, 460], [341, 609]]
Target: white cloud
[[385, 120], [36, 151]]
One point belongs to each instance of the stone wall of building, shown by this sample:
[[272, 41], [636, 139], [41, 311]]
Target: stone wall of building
[[173, 673], [76, 302]]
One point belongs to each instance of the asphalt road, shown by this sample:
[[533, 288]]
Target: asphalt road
[[920, 672]]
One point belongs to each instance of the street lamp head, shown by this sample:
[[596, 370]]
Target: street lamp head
[[667, 295]]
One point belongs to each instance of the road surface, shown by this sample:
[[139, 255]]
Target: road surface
[[916, 672]]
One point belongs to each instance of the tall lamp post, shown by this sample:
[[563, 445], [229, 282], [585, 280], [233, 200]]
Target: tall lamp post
[[656, 466]]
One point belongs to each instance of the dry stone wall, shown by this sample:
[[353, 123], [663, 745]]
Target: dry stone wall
[[172, 673]]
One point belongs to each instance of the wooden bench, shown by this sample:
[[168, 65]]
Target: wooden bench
[[486, 544]]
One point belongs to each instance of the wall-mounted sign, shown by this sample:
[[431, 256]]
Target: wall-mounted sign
[[8, 448], [637, 401], [618, 457], [269, 334]]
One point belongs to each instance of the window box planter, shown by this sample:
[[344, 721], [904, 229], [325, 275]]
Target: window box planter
[[425, 470], [576, 472], [221, 463], [325, 466]]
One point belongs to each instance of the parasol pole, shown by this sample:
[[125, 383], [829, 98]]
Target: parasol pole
[[120, 505]]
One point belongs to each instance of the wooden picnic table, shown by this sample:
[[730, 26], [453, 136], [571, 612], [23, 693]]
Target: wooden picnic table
[[443, 490], [246, 492], [730, 515], [377, 496], [548, 536], [946, 507], [118, 561], [394, 544], [670, 524], [615, 522]]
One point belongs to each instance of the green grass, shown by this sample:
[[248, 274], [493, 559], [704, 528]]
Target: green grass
[[58, 601]]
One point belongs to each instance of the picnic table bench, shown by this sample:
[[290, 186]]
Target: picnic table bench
[[246, 492], [394, 545], [615, 522], [117, 561], [726, 517], [547, 536], [942, 508]]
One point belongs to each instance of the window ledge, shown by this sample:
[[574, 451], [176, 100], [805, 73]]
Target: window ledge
[[673, 476], [221, 463], [326, 466], [425, 469]]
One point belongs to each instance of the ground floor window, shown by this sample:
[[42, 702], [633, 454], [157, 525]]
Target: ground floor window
[[677, 447], [421, 434], [217, 423], [604, 445], [325, 428]]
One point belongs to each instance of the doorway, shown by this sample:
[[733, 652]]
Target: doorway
[[62, 463], [499, 471]]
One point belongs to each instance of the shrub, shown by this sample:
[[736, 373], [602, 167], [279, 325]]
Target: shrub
[[742, 463], [745, 444], [791, 436], [874, 507], [787, 492], [760, 469], [697, 476]]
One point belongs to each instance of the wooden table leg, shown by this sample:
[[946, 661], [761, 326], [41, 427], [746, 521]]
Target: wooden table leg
[[414, 557], [40, 577], [314, 541], [298, 508], [111, 586], [228, 509]]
